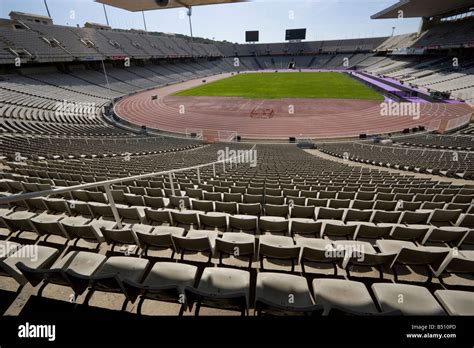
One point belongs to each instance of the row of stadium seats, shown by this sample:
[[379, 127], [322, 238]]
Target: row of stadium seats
[[442, 162], [450, 142], [225, 288], [49, 147], [55, 129]]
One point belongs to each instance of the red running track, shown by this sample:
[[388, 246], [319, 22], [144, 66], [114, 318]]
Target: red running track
[[311, 118]]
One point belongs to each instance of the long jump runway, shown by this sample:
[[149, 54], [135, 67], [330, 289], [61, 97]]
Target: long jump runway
[[275, 118]]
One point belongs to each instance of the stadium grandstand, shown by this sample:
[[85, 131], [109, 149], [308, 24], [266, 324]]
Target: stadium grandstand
[[147, 174]]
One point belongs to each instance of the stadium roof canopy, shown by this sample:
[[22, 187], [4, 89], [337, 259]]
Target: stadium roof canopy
[[147, 5], [422, 8], [17, 13]]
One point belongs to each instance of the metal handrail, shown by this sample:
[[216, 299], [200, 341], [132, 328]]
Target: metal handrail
[[107, 183]]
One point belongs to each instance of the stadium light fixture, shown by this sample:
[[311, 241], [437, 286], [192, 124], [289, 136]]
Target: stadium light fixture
[[190, 13]]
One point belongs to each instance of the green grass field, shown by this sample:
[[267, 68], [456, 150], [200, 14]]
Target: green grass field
[[286, 85]]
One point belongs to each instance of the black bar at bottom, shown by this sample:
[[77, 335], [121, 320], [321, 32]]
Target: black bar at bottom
[[289, 331]]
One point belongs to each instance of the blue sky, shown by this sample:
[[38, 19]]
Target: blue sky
[[324, 19]]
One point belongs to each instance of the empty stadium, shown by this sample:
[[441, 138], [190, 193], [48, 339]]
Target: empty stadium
[[148, 173]]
